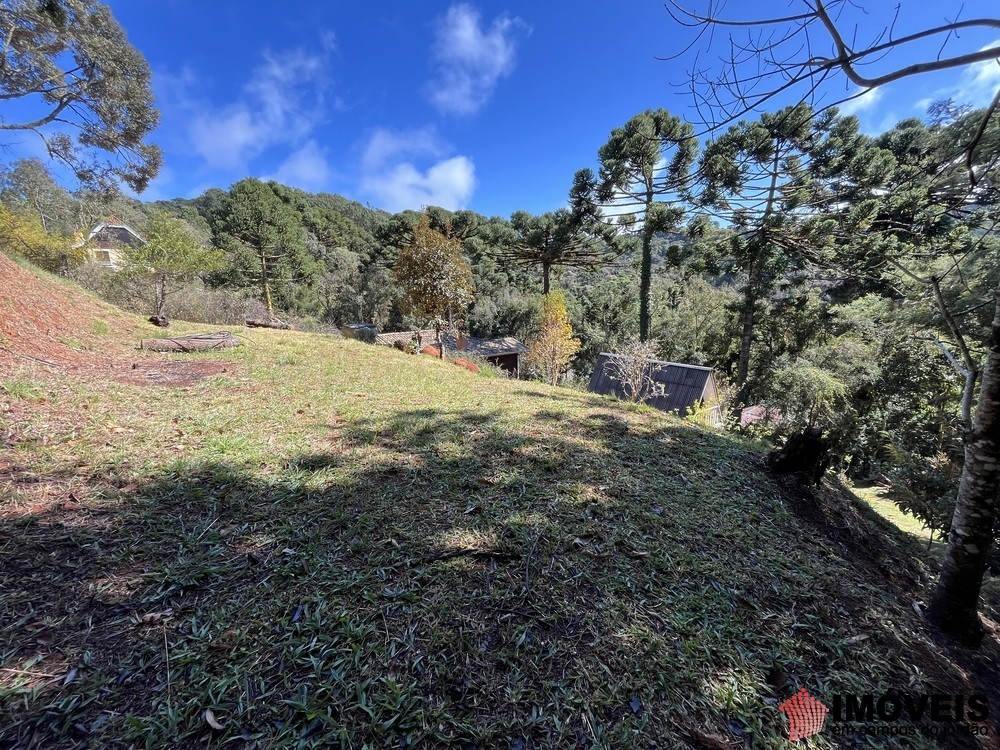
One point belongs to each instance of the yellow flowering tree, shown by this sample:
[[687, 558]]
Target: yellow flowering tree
[[21, 233], [555, 346]]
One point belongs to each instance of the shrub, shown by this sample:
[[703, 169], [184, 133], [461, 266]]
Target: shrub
[[633, 365], [192, 301], [122, 290], [197, 303], [925, 487], [554, 346], [21, 233], [311, 325], [467, 364]]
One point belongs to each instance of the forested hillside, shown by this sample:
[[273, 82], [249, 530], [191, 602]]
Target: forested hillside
[[853, 295]]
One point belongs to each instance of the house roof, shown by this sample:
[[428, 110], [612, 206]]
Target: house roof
[[112, 222], [480, 347], [427, 337], [759, 413], [485, 347], [683, 385]]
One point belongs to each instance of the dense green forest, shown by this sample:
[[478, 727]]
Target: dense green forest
[[841, 280]]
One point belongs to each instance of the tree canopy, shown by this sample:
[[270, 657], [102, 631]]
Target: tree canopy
[[644, 162], [170, 253], [70, 63], [434, 274]]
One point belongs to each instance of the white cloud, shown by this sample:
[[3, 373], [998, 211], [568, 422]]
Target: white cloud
[[980, 81], [395, 182], [863, 103], [977, 84], [228, 141], [447, 183], [472, 58], [328, 38], [385, 145], [306, 168], [282, 103]]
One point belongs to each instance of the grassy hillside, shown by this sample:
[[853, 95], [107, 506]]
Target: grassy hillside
[[329, 544]]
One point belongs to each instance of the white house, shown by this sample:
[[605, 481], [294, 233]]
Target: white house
[[106, 241]]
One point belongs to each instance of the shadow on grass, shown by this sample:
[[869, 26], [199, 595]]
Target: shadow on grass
[[444, 581], [568, 395]]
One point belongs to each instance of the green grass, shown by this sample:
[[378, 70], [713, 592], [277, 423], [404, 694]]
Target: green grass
[[876, 498], [932, 546], [17, 389], [340, 545]]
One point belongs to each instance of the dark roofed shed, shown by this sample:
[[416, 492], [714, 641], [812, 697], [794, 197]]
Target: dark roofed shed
[[683, 386]]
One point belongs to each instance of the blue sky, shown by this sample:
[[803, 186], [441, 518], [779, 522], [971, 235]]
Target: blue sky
[[485, 105]]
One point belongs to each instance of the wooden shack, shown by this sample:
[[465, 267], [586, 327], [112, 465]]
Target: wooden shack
[[679, 387], [504, 352]]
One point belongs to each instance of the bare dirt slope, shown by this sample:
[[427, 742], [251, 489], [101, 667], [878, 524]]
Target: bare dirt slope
[[44, 318], [50, 323]]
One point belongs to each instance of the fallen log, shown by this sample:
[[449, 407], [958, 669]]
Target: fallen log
[[196, 342], [268, 323]]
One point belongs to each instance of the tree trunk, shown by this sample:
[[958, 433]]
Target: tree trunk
[[270, 322], [753, 290], [159, 302], [265, 283], [545, 278], [954, 608], [645, 274], [197, 342], [748, 323], [161, 295]]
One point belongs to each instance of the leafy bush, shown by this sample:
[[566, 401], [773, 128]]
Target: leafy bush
[[127, 291], [21, 234], [806, 393], [633, 365], [554, 347], [925, 488], [196, 303], [191, 301]]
